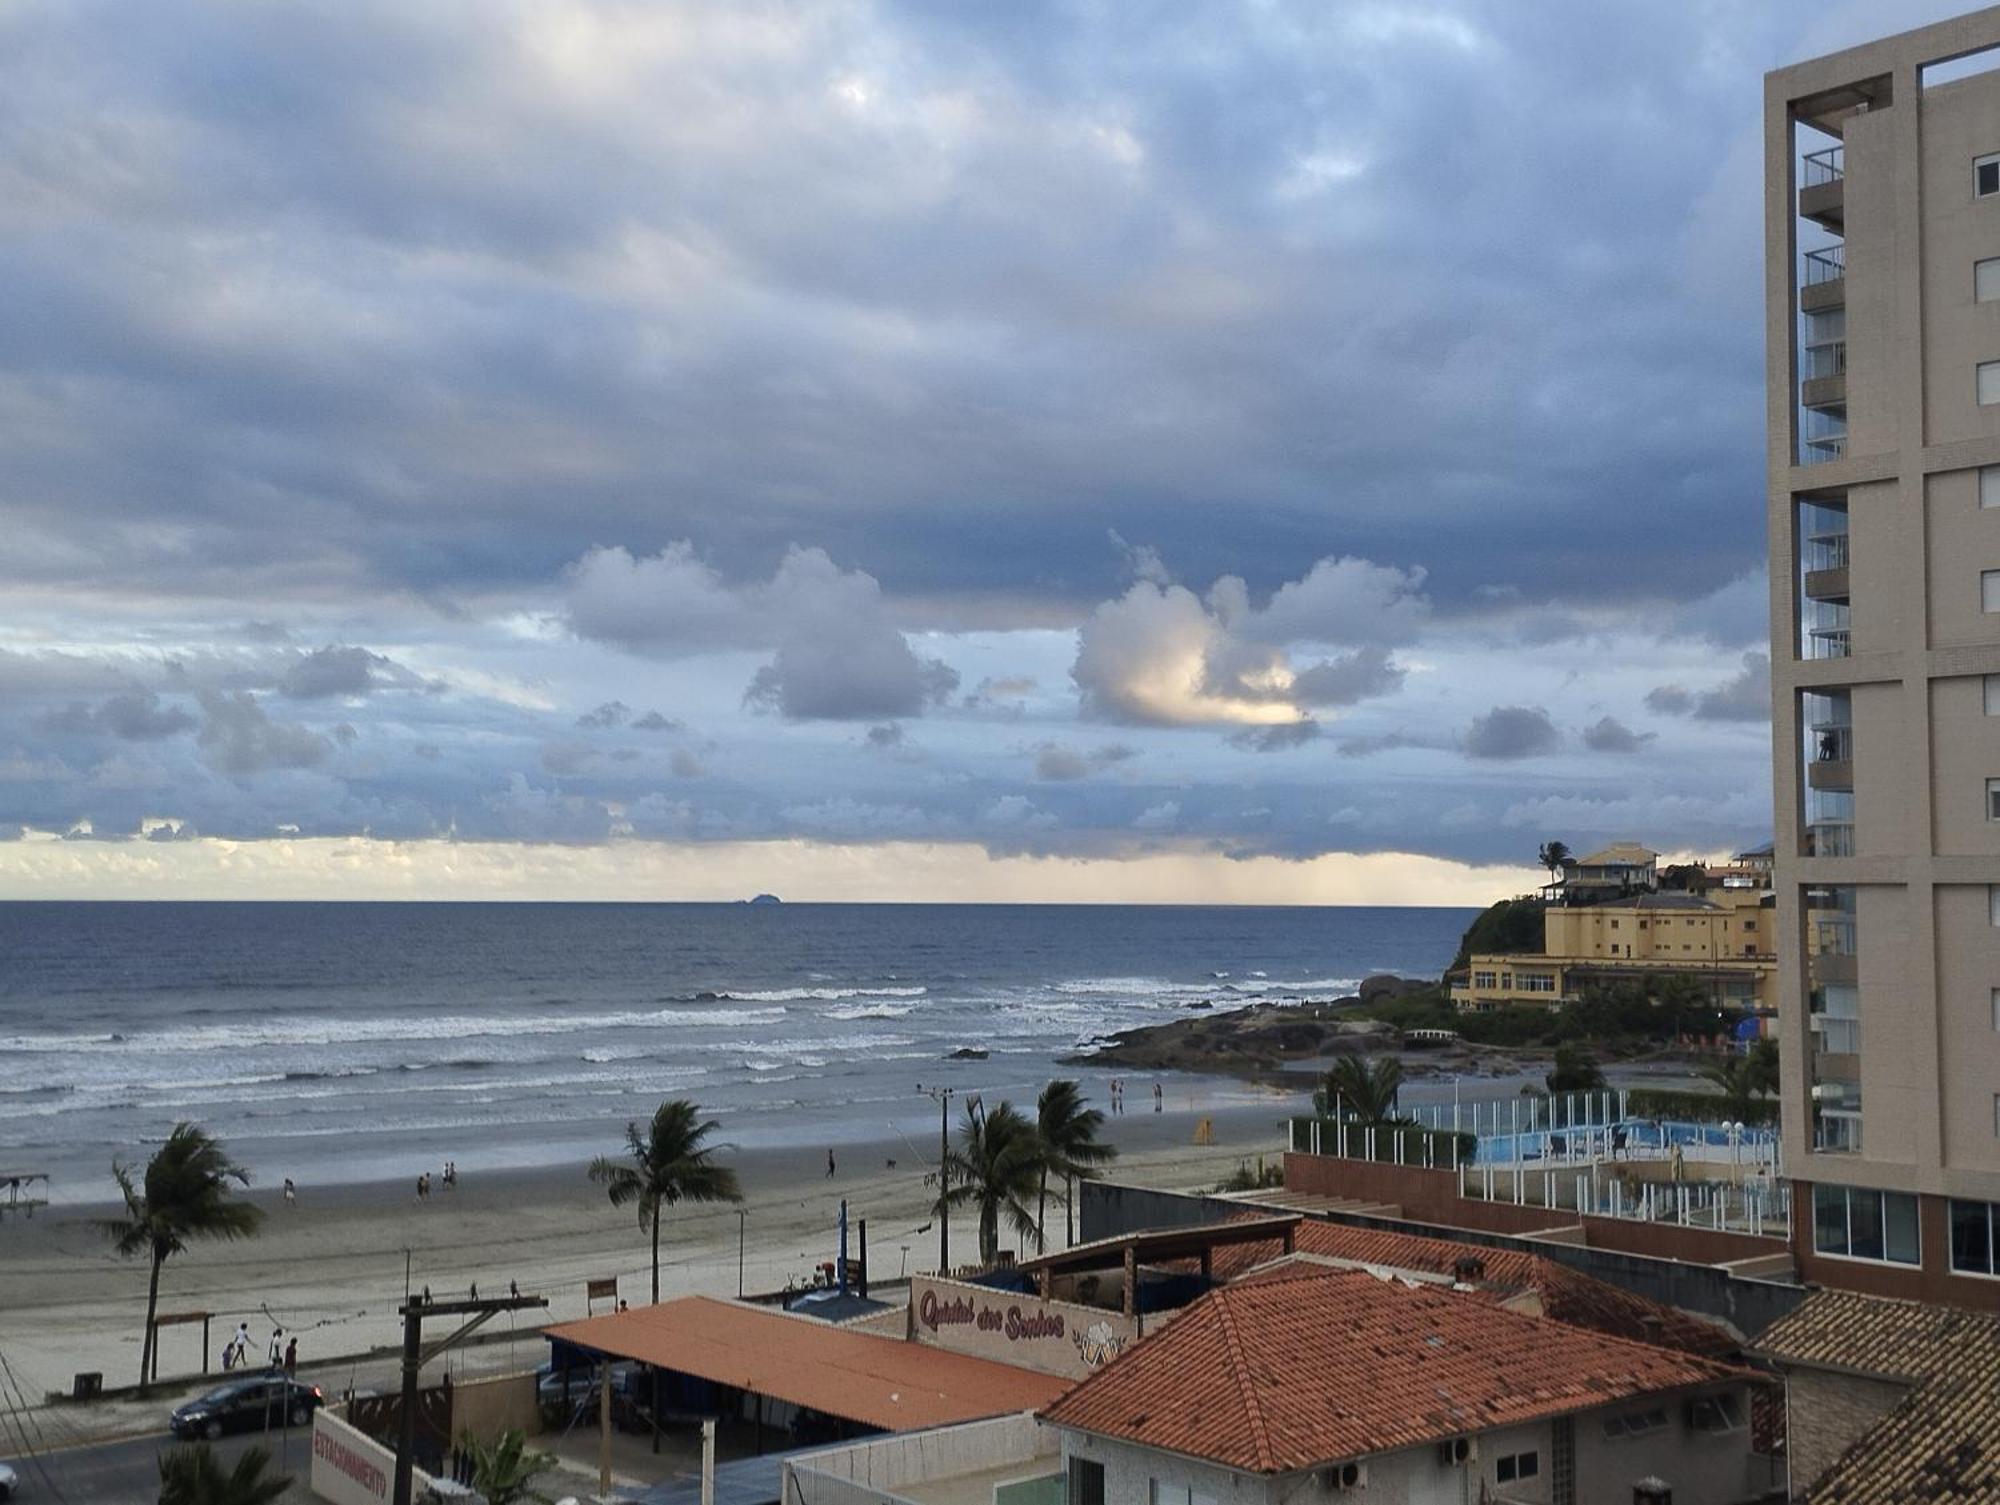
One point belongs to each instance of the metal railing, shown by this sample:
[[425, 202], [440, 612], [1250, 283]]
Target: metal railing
[[1826, 551], [1831, 937], [1828, 642], [1828, 264], [1828, 166], [1830, 838], [1829, 359], [1833, 742]]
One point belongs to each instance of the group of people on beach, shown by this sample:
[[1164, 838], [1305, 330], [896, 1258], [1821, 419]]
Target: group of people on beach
[[281, 1353], [1118, 1096], [448, 1178]]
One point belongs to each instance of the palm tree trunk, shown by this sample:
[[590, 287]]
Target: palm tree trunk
[[1069, 1213], [1042, 1214], [656, 1256], [989, 1233], [152, 1336]]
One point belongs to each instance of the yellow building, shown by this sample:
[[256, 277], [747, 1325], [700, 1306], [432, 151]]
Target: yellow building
[[1725, 941]]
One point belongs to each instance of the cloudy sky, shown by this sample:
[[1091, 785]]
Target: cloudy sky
[[1259, 451]]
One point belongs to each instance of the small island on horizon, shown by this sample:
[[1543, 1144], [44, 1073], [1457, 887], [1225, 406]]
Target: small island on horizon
[[765, 899]]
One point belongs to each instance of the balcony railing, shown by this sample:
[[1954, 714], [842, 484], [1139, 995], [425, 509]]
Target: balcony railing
[[1828, 642], [1826, 551], [1833, 742], [1831, 937], [1830, 838], [1829, 166], [1837, 1132], [1829, 264], [1829, 359]]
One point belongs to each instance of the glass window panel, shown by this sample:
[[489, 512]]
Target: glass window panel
[[1986, 279], [1864, 1224], [1990, 689], [1989, 383], [1901, 1240], [1972, 1238], [1985, 176], [1993, 799], [1989, 485], [1989, 590], [1830, 1219]]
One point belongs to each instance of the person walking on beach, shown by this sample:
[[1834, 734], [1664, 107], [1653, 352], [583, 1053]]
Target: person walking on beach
[[424, 1186], [291, 1193], [276, 1355], [829, 1164], [1159, 1102], [292, 1356], [236, 1352]]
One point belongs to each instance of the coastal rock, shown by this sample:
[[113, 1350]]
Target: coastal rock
[[967, 1053], [1388, 985], [1261, 1040]]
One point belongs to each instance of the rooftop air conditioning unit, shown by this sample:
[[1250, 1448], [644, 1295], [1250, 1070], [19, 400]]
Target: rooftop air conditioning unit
[[1458, 1451], [1338, 1478]]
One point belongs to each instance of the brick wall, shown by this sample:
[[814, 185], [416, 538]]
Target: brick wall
[[1825, 1412]]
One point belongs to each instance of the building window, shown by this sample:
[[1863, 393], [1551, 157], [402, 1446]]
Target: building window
[[1163, 1493], [1996, 1008], [1993, 799], [1857, 1222], [1975, 1238], [1086, 1482], [1517, 1466], [1990, 688], [1989, 383], [1635, 1423], [1538, 982], [1985, 176], [1484, 979], [1714, 1413], [1989, 485], [1986, 280], [1989, 590]]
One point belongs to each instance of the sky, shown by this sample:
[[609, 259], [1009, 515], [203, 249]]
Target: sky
[[1237, 453]]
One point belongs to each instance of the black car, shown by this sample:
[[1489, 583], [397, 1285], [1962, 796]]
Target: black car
[[250, 1405]]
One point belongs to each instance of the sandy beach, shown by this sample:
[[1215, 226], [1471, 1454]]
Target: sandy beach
[[332, 1268]]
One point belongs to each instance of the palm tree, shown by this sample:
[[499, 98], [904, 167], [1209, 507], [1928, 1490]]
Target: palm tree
[[1070, 1149], [1575, 1070], [1742, 1080], [194, 1476], [1358, 1089], [995, 1167], [1554, 856], [670, 1163], [185, 1195], [504, 1470]]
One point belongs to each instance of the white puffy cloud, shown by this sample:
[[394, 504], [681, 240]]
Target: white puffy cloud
[[1161, 655]]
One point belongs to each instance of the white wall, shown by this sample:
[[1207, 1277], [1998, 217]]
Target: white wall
[[889, 1465], [349, 1467]]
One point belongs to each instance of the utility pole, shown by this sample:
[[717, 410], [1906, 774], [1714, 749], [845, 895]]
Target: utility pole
[[477, 1313], [942, 1097], [742, 1220]]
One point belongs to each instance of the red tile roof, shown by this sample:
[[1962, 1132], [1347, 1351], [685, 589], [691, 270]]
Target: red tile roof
[[1557, 1290], [1286, 1373], [877, 1381]]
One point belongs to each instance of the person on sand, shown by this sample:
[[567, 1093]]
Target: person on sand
[[276, 1354], [1159, 1102], [291, 1193], [292, 1355], [240, 1344], [424, 1186], [829, 1165]]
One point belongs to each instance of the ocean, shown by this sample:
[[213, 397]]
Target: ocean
[[357, 1042]]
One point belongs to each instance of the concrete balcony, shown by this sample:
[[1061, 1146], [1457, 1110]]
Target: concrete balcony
[[1824, 392], [1826, 585], [1832, 969], [1823, 189], [1830, 773], [1823, 280]]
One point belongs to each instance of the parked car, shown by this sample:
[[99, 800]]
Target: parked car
[[247, 1406], [9, 1482]]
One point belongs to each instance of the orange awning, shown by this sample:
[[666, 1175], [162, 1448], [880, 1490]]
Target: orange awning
[[875, 1381]]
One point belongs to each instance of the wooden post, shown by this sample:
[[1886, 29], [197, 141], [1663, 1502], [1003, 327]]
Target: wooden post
[[604, 1424], [204, 1343], [1131, 1280]]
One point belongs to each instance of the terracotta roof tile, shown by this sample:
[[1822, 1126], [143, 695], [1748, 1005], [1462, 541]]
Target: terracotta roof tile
[[1942, 1443], [1318, 1365], [1558, 1290]]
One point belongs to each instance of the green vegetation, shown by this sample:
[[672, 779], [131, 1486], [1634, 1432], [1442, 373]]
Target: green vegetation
[[193, 1476], [505, 1469], [1512, 925], [1576, 1070], [996, 1167], [669, 1163], [1067, 1133], [1362, 1091], [1387, 1134], [185, 1195], [1622, 1017], [1698, 1107], [1263, 1178]]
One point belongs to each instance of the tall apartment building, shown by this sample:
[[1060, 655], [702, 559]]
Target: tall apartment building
[[1883, 330]]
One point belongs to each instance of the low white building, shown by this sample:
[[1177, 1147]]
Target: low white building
[[1308, 1385]]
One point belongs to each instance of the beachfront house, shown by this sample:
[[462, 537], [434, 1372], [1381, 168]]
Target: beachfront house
[[1307, 1383]]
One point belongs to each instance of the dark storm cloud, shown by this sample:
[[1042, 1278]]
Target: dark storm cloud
[[136, 716], [1744, 696], [1609, 734], [1280, 738], [1511, 731], [237, 738], [1356, 272], [334, 671], [609, 715]]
